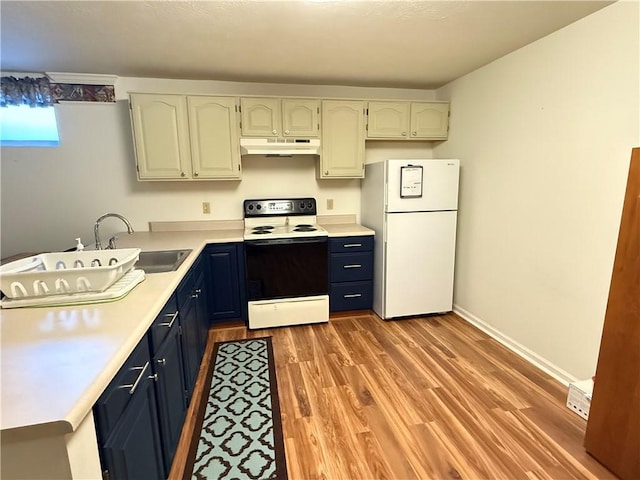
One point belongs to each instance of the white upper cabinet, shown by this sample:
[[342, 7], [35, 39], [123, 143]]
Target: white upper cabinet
[[275, 117], [215, 141], [161, 136], [408, 120], [180, 137], [343, 129]]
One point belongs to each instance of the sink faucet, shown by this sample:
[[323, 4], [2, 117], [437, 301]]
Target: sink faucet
[[112, 240]]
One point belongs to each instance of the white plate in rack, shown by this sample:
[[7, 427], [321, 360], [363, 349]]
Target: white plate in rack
[[116, 291]]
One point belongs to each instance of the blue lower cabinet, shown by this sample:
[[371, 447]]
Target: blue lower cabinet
[[127, 423], [170, 392], [140, 415], [133, 451], [194, 322], [227, 298], [350, 273]]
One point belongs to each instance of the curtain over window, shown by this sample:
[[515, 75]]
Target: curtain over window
[[34, 92]]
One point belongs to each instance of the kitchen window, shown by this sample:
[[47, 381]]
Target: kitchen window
[[25, 126]]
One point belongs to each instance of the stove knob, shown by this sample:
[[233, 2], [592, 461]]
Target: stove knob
[[309, 205], [250, 207], [259, 207], [302, 206]]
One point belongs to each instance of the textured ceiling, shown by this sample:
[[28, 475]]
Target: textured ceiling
[[402, 44]]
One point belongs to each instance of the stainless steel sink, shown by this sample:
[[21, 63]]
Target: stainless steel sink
[[158, 261]]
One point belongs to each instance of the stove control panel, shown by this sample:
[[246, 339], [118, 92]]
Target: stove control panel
[[279, 207]]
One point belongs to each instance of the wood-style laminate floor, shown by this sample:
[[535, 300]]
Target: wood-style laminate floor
[[421, 398]]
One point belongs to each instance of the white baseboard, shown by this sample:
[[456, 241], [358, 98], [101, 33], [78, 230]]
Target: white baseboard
[[530, 356]]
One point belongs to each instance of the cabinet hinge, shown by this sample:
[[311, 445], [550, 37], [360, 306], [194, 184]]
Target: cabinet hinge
[[238, 167], [137, 168]]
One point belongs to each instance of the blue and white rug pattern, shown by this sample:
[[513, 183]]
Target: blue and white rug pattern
[[241, 434]]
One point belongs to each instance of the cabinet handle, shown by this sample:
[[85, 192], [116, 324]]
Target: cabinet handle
[[182, 174], [198, 290], [275, 132], [153, 377], [169, 324], [413, 133], [355, 265], [132, 387], [162, 361], [195, 295], [195, 174], [352, 295], [404, 134], [351, 245], [286, 132]]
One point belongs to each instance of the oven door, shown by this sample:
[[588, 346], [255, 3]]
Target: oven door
[[286, 268]]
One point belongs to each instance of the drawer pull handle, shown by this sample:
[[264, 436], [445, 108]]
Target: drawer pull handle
[[352, 245], [132, 387], [162, 361], [169, 324], [352, 295], [355, 265]]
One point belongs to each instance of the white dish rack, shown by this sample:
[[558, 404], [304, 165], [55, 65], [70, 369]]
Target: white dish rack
[[66, 273]]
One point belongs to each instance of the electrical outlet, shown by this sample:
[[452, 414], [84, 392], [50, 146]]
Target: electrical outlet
[[330, 204], [206, 207]]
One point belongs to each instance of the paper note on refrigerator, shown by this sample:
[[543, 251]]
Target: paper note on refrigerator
[[411, 181]]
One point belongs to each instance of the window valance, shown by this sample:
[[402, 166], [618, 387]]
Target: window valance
[[39, 91]]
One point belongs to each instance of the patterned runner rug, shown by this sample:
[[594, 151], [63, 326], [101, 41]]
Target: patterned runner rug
[[241, 435]]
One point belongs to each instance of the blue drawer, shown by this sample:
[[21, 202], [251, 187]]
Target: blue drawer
[[162, 324], [351, 296], [117, 395], [351, 244], [351, 267]]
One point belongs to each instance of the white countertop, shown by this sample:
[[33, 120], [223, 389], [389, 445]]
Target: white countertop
[[57, 361]]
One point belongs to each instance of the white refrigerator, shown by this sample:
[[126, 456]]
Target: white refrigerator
[[412, 206]]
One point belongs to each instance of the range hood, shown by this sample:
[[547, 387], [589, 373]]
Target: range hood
[[280, 147]]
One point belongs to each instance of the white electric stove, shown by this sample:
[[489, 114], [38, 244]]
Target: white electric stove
[[286, 258]]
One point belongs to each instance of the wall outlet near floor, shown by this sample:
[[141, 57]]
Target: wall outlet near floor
[[206, 207], [330, 204]]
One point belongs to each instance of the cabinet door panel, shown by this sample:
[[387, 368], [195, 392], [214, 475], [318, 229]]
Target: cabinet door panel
[[224, 292], [261, 117], [300, 118], [133, 451], [215, 145], [190, 346], [167, 364], [161, 135], [342, 139], [429, 120], [388, 120]]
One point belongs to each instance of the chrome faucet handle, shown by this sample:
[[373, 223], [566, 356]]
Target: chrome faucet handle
[[112, 242]]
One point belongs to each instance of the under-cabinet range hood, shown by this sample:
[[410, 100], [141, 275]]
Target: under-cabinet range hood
[[279, 147]]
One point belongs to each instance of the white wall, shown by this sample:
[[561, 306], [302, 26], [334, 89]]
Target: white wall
[[544, 136], [49, 196]]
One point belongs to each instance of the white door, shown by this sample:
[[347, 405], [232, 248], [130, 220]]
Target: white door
[[439, 186], [419, 261]]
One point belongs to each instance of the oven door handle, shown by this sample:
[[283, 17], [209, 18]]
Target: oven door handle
[[286, 241]]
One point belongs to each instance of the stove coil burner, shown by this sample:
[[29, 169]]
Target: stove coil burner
[[262, 229], [304, 228]]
